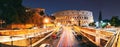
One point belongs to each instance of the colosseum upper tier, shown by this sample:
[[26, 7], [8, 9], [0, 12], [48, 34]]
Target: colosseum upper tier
[[74, 17]]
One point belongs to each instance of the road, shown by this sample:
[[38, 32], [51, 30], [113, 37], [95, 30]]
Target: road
[[67, 38]]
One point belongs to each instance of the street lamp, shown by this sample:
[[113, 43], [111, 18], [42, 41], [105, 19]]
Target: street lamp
[[46, 20], [11, 41], [58, 24], [30, 39]]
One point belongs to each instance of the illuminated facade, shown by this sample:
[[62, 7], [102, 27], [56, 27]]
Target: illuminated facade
[[74, 17]]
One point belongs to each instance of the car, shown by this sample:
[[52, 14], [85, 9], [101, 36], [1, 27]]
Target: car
[[54, 36], [45, 45]]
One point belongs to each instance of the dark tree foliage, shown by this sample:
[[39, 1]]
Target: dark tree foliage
[[41, 13], [115, 21], [106, 20], [92, 24], [52, 17], [12, 11], [100, 16]]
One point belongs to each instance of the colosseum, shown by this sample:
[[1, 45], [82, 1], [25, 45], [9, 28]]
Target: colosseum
[[74, 17]]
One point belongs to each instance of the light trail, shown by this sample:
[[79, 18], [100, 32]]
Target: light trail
[[67, 38]]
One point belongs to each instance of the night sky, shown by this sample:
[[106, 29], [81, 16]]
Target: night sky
[[109, 8]]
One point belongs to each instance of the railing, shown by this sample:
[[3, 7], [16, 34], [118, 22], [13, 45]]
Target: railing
[[28, 34], [98, 35], [54, 30], [34, 44], [113, 41], [19, 32]]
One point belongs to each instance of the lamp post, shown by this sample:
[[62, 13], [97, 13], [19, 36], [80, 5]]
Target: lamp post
[[46, 21], [30, 39], [11, 41]]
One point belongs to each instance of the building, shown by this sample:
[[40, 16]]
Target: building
[[36, 16], [74, 17], [40, 11]]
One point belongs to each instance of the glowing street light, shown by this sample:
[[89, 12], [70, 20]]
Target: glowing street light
[[58, 24], [46, 20]]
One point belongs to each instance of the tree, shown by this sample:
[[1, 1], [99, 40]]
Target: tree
[[41, 13], [115, 21], [106, 20], [100, 18], [34, 18], [92, 24], [12, 11]]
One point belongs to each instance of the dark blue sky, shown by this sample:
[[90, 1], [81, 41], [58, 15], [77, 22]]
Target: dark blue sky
[[109, 8]]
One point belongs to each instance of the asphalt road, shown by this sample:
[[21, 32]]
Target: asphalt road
[[69, 38]]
